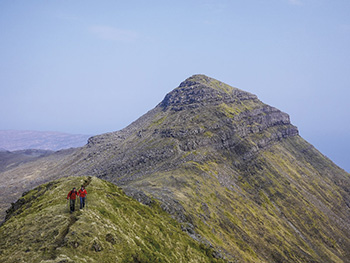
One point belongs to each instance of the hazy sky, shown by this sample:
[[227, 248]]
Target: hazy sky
[[91, 67]]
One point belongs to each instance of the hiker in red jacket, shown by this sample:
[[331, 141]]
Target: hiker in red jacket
[[82, 194], [72, 195]]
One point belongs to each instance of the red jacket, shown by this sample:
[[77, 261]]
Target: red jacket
[[72, 195], [82, 193]]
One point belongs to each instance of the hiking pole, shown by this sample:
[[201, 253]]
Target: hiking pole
[[86, 202]]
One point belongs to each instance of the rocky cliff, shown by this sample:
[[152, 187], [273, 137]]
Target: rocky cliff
[[233, 171]]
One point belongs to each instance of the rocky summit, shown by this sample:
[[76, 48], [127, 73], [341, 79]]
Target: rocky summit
[[233, 172]]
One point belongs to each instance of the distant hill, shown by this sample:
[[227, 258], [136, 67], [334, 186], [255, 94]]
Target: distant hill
[[13, 140], [9, 160]]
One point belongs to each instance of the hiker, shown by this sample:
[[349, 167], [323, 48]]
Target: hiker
[[72, 195], [82, 194]]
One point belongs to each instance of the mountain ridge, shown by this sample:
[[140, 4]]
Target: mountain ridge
[[232, 170], [112, 228]]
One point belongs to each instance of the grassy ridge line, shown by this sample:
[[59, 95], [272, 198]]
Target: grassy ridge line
[[114, 228]]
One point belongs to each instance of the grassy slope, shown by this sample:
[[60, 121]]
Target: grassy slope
[[24, 176], [269, 215], [114, 228]]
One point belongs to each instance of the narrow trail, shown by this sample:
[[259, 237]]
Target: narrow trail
[[87, 181], [60, 240]]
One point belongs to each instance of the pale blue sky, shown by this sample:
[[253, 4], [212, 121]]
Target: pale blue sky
[[91, 67]]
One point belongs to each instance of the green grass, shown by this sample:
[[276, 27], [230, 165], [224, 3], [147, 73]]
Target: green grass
[[113, 228]]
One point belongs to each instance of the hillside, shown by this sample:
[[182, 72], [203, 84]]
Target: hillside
[[21, 171], [13, 140], [113, 228], [233, 171], [8, 160]]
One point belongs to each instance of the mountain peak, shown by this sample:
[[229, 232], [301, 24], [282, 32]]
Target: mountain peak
[[200, 79], [201, 90]]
